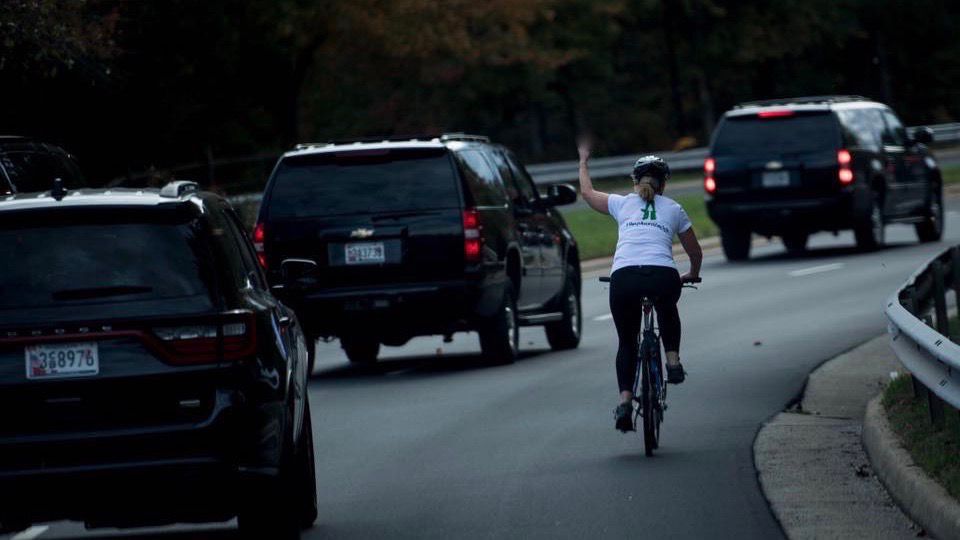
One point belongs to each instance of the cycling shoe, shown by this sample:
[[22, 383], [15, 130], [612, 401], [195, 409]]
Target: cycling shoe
[[676, 374], [624, 416]]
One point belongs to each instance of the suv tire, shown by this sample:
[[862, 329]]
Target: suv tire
[[565, 334], [500, 334], [359, 350], [870, 231], [795, 242], [281, 506], [736, 243], [931, 228]]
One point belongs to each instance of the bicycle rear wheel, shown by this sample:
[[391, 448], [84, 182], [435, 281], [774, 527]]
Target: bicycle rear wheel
[[648, 397]]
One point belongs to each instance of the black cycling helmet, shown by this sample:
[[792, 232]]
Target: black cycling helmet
[[651, 166]]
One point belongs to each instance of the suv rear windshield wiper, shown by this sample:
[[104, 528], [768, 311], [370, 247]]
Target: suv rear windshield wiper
[[100, 292]]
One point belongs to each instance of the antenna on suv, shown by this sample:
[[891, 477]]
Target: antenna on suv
[[58, 191], [179, 188]]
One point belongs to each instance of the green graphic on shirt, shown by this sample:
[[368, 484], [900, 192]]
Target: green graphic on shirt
[[650, 212]]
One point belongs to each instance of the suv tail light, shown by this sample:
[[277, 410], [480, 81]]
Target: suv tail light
[[197, 342], [709, 167], [472, 240], [844, 159], [259, 234]]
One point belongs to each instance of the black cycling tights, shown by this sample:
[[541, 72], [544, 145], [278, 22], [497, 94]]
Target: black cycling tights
[[628, 286]]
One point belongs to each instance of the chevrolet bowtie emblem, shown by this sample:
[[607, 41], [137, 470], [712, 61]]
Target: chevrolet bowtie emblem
[[361, 233]]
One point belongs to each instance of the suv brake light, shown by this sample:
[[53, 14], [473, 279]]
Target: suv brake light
[[709, 167], [196, 343], [779, 113], [472, 241], [844, 159], [259, 234]]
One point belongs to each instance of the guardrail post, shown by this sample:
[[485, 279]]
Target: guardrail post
[[940, 298], [937, 415], [913, 306]]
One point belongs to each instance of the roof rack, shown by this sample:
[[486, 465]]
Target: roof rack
[[805, 100], [179, 188], [444, 137]]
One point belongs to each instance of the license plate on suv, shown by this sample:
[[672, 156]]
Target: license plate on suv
[[61, 360], [365, 253], [776, 179]]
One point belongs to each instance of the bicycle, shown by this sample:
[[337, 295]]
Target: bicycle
[[652, 399]]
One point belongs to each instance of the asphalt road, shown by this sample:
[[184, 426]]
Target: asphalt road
[[429, 443]]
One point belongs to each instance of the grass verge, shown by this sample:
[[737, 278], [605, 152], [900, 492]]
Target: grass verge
[[950, 174], [596, 233], [937, 452]]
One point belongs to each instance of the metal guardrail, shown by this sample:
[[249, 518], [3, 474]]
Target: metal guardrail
[[919, 328], [609, 167]]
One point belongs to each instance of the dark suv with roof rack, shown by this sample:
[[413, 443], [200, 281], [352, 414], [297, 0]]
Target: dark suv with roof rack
[[793, 167], [391, 239], [147, 375]]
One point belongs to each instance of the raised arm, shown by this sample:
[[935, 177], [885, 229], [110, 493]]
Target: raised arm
[[595, 199], [688, 239]]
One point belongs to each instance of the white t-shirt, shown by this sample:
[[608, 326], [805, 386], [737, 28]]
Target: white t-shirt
[[646, 230]]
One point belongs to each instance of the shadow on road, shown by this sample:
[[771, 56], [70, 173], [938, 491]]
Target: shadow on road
[[416, 366], [815, 254]]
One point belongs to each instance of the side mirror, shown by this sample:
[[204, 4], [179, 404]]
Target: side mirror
[[293, 270], [923, 135], [560, 194]]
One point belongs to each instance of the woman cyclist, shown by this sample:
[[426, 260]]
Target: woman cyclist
[[643, 265]]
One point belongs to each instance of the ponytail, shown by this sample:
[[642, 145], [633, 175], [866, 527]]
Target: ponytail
[[645, 190]]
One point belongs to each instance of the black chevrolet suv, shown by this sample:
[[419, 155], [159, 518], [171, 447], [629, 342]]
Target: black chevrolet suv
[[393, 239], [793, 167], [148, 375]]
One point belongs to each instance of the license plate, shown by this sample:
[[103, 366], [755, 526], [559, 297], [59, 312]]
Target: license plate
[[775, 179], [366, 253], [62, 360]]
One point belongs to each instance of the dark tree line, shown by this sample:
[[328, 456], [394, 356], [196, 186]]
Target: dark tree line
[[129, 85]]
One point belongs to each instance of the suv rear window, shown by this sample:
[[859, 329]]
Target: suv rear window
[[97, 263], [363, 181], [786, 135]]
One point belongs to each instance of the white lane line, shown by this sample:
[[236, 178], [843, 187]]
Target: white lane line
[[606, 317], [816, 269], [31, 533]]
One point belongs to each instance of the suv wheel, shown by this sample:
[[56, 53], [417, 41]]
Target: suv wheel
[[736, 243], [931, 228], [795, 242], [870, 232], [565, 334], [359, 350], [500, 334], [280, 507]]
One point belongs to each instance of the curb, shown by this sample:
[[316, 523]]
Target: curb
[[924, 500]]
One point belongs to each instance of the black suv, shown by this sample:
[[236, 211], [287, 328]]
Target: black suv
[[793, 167], [148, 375], [27, 166], [401, 238]]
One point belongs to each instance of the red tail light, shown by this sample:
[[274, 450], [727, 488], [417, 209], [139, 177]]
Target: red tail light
[[259, 235], [197, 343], [780, 113], [709, 167], [472, 241], [844, 159]]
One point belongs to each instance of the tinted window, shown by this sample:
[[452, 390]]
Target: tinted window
[[509, 182], [363, 182], [524, 182], [894, 133], [481, 179], [96, 263], [788, 135], [859, 129], [35, 171]]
